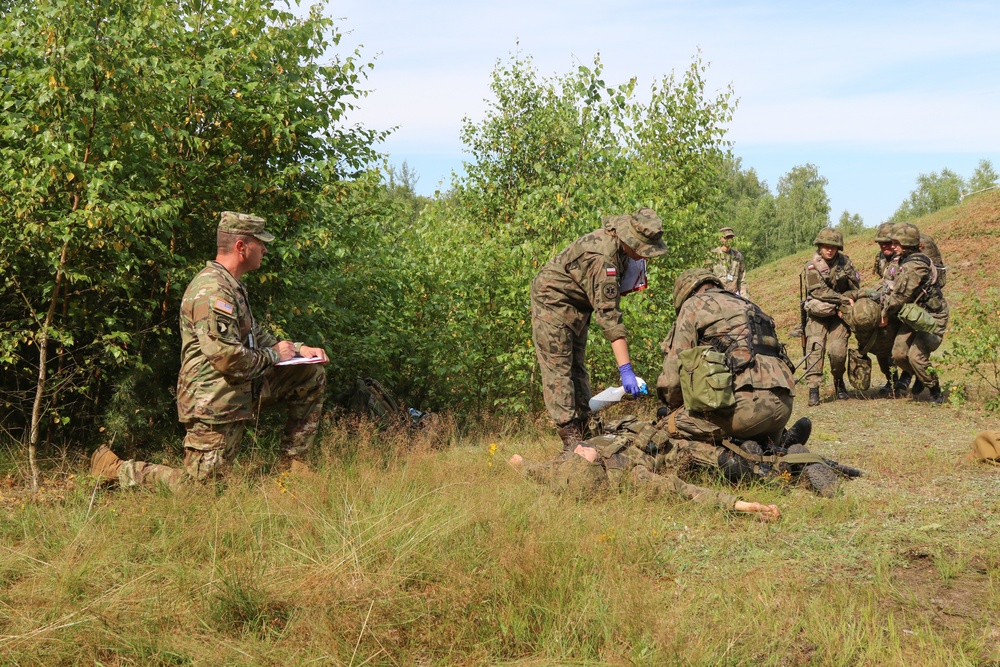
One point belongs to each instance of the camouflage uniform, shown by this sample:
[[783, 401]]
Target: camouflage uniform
[[730, 268], [227, 374], [827, 283], [763, 389], [582, 280], [914, 284], [620, 462]]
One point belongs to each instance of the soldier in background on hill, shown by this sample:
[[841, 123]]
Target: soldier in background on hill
[[729, 266], [829, 276], [228, 370], [585, 279], [917, 302]]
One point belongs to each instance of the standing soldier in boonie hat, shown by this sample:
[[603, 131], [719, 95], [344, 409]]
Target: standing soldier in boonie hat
[[729, 266], [228, 369], [583, 280]]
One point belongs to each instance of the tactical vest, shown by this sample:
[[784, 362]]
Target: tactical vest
[[744, 342], [930, 296]]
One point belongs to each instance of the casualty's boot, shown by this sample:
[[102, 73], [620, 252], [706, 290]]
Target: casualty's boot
[[798, 434], [104, 464], [840, 389], [813, 396], [917, 388], [902, 385], [822, 479], [570, 435], [936, 396]]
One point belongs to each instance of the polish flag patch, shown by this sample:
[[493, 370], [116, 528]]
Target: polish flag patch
[[611, 271]]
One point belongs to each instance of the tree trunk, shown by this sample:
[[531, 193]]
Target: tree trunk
[[43, 356]]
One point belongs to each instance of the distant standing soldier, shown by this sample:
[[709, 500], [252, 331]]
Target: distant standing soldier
[[729, 266], [916, 284], [584, 279], [228, 369], [827, 276]]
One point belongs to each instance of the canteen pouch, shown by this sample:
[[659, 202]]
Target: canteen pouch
[[706, 381], [917, 318], [859, 370]]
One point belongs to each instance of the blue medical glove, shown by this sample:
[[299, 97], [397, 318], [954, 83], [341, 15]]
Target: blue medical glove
[[629, 382]]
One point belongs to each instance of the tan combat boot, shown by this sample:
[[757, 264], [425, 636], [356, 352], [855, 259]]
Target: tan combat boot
[[570, 435], [104, 464]]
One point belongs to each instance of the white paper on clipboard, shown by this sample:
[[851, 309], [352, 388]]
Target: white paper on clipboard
[[295, 361], [634, 278]]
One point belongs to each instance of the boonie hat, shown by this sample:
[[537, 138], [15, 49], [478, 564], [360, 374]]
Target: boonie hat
[[244, 223], [642, 231]]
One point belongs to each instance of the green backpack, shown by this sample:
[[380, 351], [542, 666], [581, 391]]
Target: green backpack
[[706, 381]]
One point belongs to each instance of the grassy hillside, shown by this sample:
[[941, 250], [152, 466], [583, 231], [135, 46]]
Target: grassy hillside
[[966, 234], [401, 552]]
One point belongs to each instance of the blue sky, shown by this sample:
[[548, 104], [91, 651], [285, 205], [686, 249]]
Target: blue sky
[[872, 93]]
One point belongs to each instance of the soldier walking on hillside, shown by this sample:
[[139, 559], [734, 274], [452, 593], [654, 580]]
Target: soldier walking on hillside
[[828, 276], [728, 265], [585, 279], [919, 305], [228, 370]]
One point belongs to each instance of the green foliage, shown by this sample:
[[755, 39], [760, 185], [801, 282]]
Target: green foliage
[[934, 191], [126, 128], [984, 177], [548, 160], [803, 208], [850, 224], [749, 208], [975, 351]]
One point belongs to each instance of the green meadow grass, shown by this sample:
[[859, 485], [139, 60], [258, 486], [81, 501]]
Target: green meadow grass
[[434, 551]]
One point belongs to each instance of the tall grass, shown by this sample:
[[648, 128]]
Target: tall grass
[[433, 551]]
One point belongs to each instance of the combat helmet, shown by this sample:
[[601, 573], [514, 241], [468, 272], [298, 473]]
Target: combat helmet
[[830, 236], [906, 234], [884, 232], [689, 281], [864, 315]]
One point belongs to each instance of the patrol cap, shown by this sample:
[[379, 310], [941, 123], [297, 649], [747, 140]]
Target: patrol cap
[[244, 223], [727, 232], [642, 231]]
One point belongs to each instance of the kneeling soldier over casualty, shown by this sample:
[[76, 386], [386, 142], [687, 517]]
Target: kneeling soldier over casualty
[[228, 370], [727, 380]]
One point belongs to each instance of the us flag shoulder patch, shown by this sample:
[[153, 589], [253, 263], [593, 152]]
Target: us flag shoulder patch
[[224, 306], [611, 271]]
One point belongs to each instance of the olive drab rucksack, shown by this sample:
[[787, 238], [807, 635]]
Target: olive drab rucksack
[[371, 399]]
